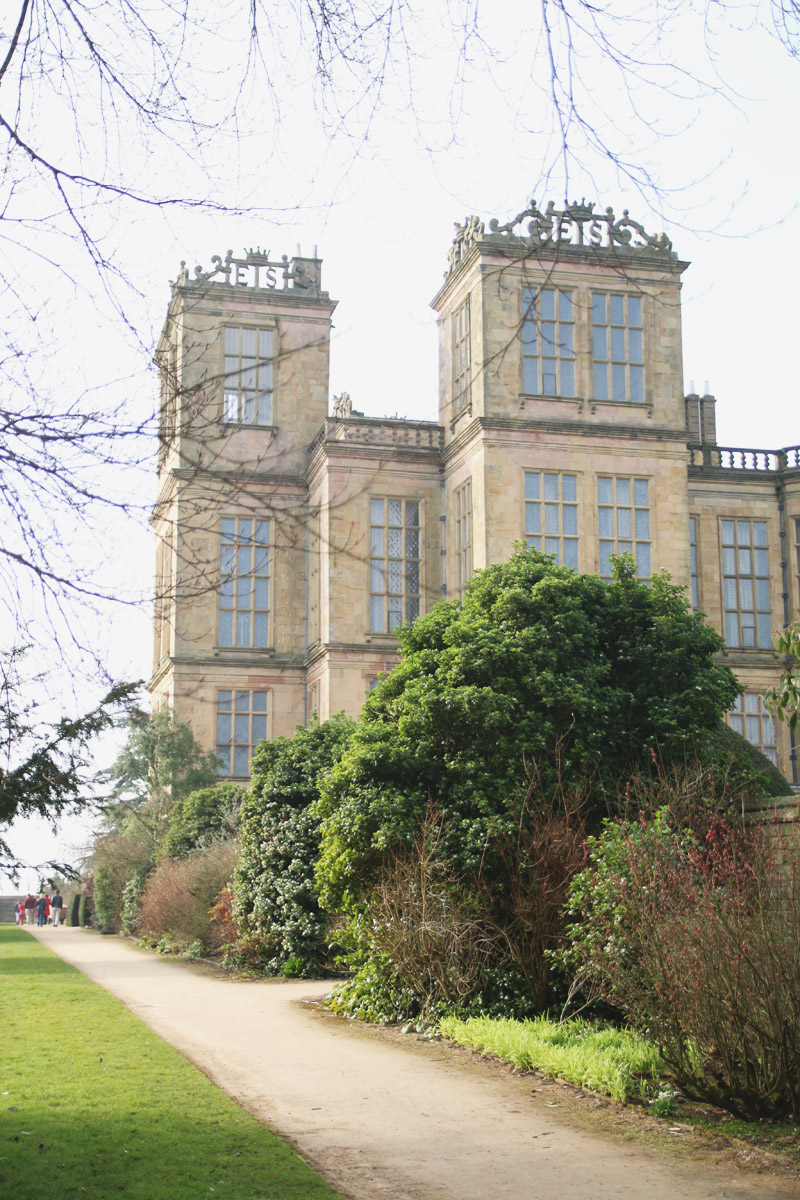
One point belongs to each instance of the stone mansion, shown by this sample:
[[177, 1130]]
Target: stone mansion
[[292, 543]]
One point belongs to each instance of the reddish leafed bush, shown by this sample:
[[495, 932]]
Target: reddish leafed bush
[[180, 894], [696, 938]]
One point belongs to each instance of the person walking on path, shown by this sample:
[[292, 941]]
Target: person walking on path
[[19, 912], [41, 910], [56, 905], [30, 908]]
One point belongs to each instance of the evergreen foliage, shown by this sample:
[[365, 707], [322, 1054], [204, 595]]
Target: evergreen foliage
[[275, 902], [543, 683], [210, 814]]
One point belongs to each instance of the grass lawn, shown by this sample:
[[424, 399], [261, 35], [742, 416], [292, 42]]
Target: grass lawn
[[92, 1104]]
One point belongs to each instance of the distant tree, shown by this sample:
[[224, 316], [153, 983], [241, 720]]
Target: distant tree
[[44, 768], [161, 764]]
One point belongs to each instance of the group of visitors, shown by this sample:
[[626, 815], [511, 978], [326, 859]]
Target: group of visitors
[[46, 909]]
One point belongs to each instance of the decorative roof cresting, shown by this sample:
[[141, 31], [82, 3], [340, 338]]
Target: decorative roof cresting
[[257, 270], [576, 224]]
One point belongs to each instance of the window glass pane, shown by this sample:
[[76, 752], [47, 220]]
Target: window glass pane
[[395, 615], [259, 730], [261, 630], [635, 345], [618, 344], [531, 486], [223, 755], [748, 632], [619, 390], [727, 533], [412, 513], [571, 553], [625, 547], [395, 577], [264, 409], [731, 593], [565, 306], [376, 580], [548, 339], [728, 560], [551, 518], [606, 550], [412, 609], [241, 760], [623, 491], [231, 340], [751, 704], [617, 306], [634, 310], [753, 730], [731, 629], [599, 343], [624, 523], [530, 376], [548, 380], [376, 541], [532, 520], [412, 579], [606, 522], [643, 561], [551, 547], [641, 491], [551, 487], [547, 306], [762, 594], [604, 490], [395, 543], [746, 593], [226, 629], [642, 523], [535, 543], [569, 517], [376, 611], [736, 723], [569, 487], [376, 512], [567, 379], [242, 629], [745, 561], [224, 701], [743, 533], [764, 622], [223, 727], [600, 382], [598, 308], [636, 375], [759, 533], [412, 543], [760, 562]]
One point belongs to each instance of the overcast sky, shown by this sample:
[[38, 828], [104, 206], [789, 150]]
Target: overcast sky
[[380, 200]]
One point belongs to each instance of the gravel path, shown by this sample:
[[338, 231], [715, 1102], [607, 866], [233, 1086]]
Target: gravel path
[[388, 1121]]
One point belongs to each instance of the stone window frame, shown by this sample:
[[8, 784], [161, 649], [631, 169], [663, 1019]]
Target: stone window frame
[[550, 518], [242, 404], [746, 583], [244, 616], [462, 358], [751, 718], [463, 507], [618, 373], [695, 578], [242, 723], [396, 562], [627, 529], [548, 323]]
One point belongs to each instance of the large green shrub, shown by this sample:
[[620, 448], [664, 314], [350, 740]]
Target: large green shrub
[[542, 684], [206, 815], [275, 900]]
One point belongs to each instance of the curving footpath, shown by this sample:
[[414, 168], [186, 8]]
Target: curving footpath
[[378, 1120]]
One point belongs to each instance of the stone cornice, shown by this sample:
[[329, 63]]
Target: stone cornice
[[581, 428]]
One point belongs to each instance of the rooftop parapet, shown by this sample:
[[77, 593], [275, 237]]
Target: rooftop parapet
[[739, 458]]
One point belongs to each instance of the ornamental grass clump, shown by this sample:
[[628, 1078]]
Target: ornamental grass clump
[[695, 939], [616, 1062]]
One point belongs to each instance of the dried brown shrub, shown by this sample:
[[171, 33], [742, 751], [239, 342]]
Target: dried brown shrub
[[180, 894]]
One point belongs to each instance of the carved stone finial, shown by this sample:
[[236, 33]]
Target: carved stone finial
[[578, 224], [342, 406]]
